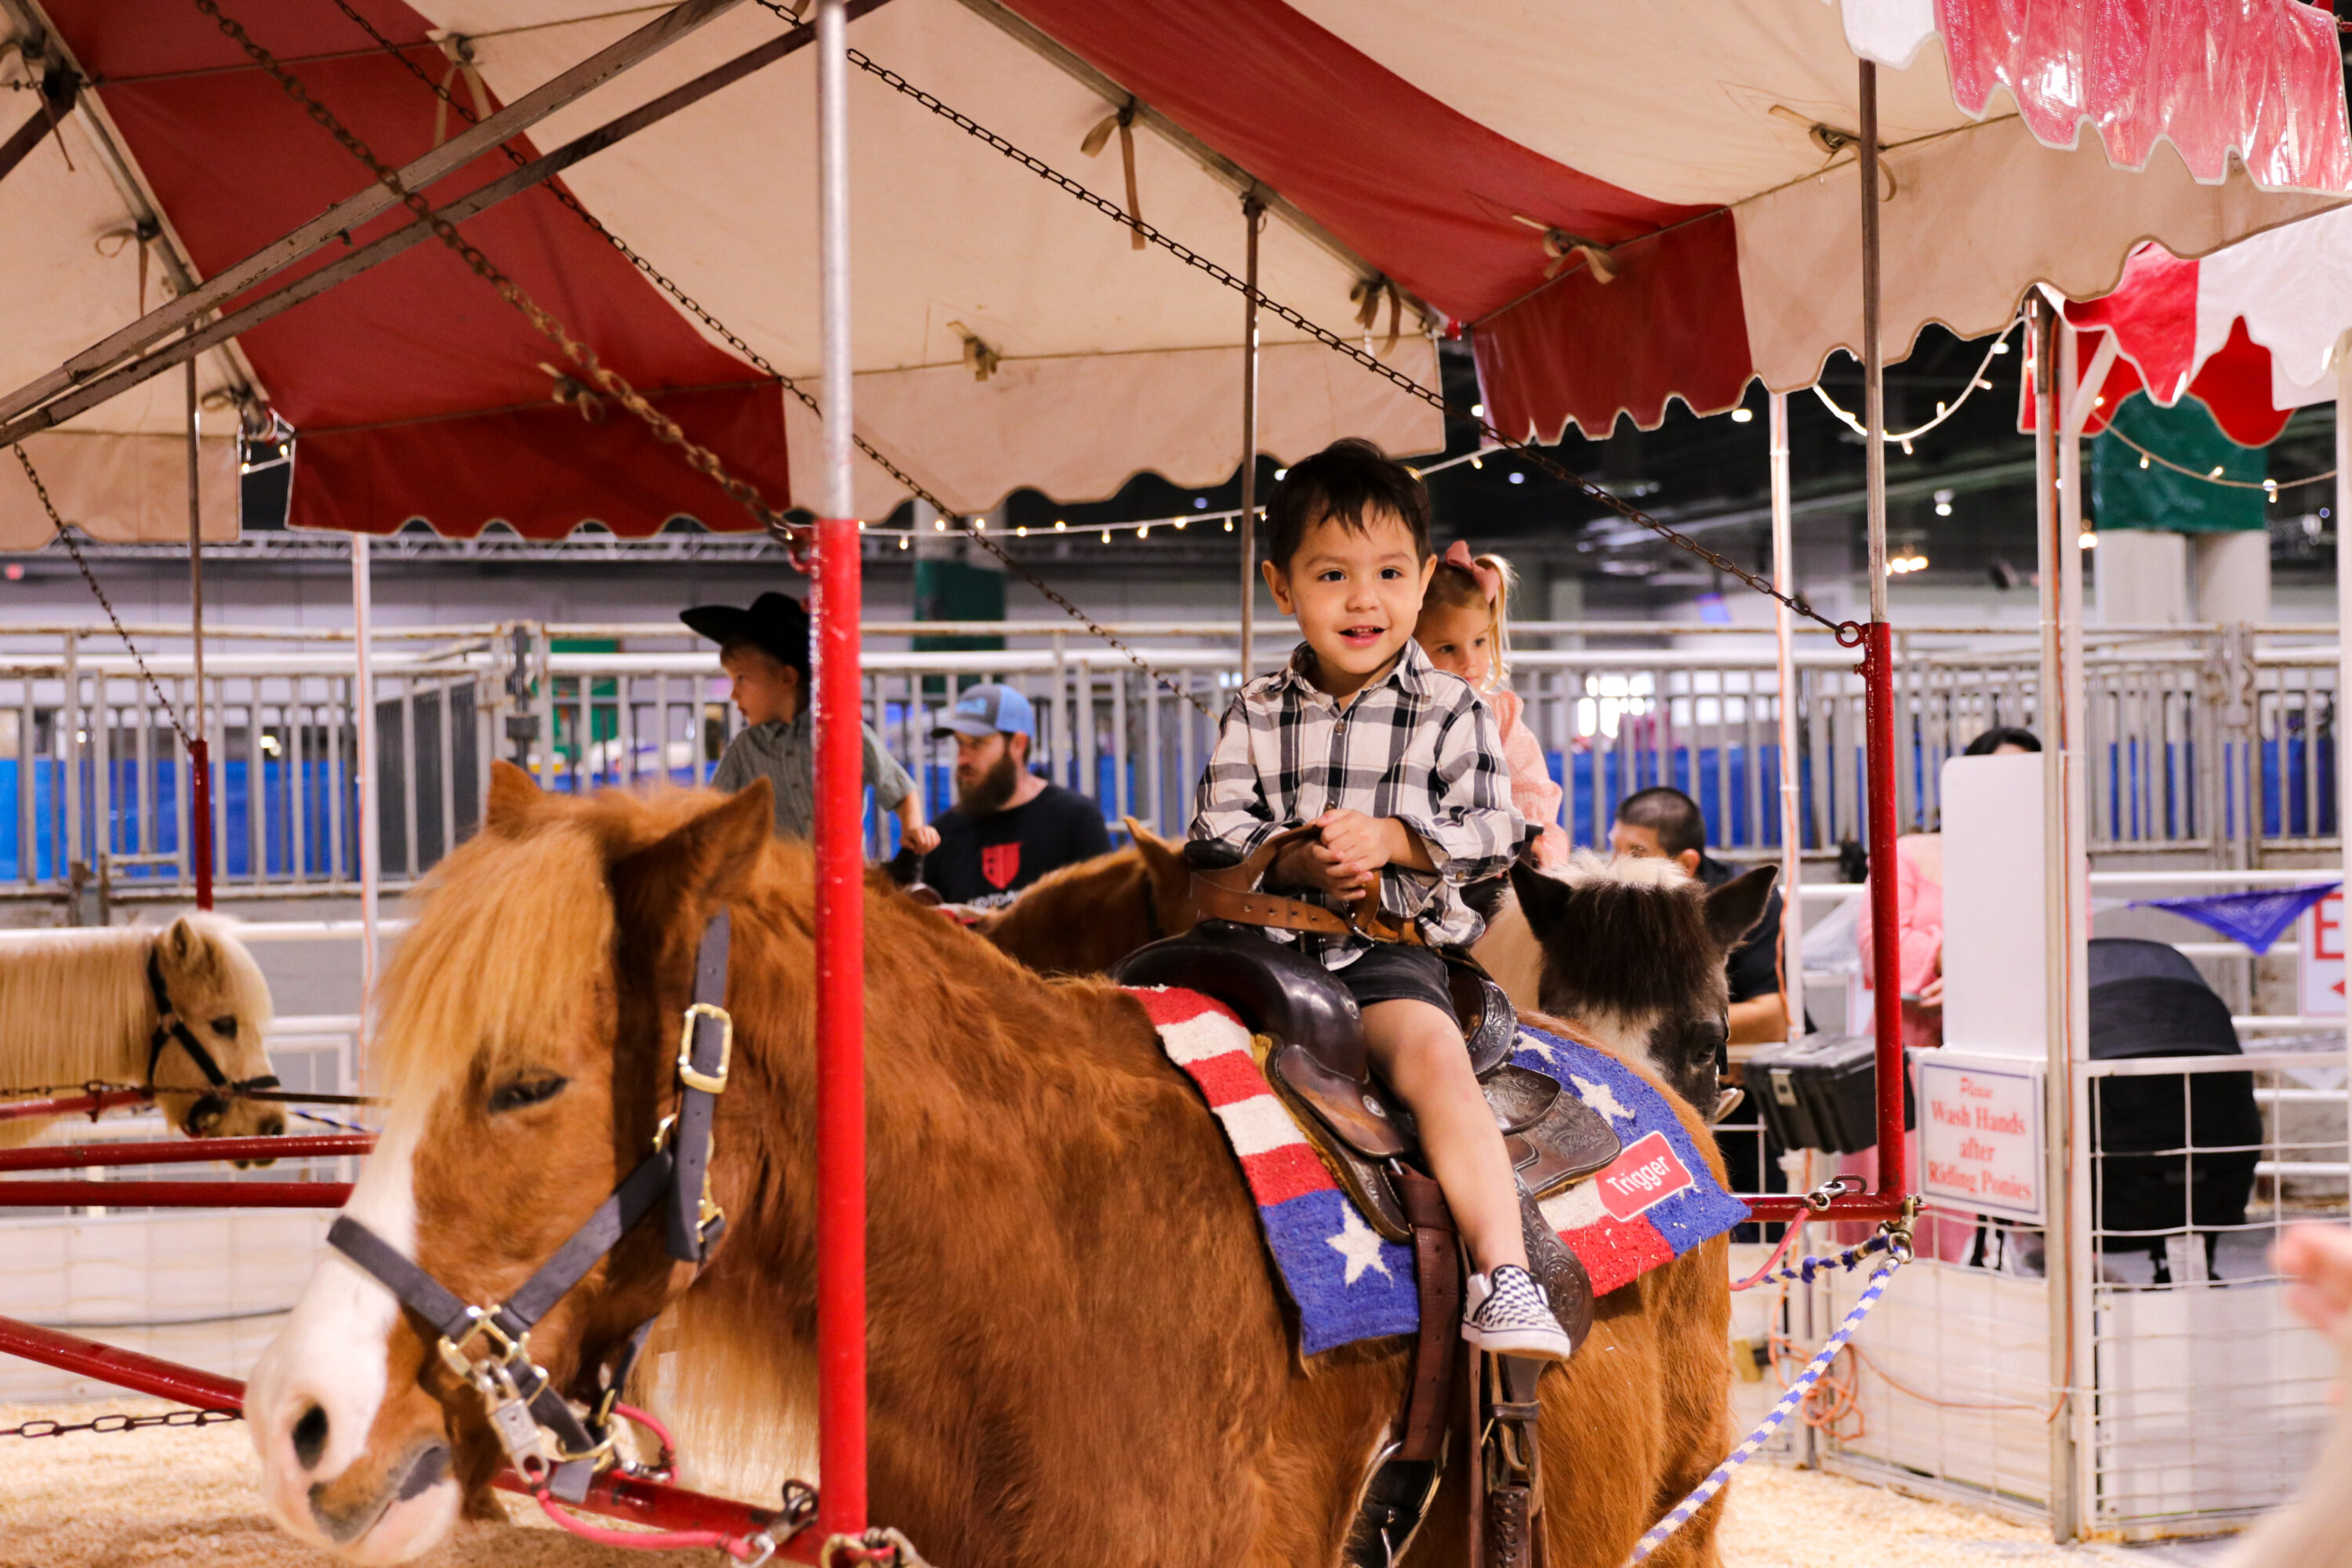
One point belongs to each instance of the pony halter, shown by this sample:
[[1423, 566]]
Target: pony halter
[[171, 1026], [556, 1446]]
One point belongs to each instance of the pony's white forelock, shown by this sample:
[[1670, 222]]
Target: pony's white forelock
[[1586, 868]]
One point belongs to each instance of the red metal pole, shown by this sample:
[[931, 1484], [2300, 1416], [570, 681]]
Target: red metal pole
[[840, 844], [175, 1195], [200, 809], [182, 1152], [75, 1104], [1885, 915]]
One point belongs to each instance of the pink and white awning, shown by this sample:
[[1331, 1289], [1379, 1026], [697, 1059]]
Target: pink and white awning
[[1492, 163]]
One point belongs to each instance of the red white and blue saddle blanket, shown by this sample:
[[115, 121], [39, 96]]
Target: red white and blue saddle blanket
[[1656, 1202]]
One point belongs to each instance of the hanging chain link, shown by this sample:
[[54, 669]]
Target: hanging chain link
[[614, 385], [1524, 449], [114, 1422], [759, 362], [74, 550]]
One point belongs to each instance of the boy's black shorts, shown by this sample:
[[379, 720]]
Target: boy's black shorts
[[1397, 972]]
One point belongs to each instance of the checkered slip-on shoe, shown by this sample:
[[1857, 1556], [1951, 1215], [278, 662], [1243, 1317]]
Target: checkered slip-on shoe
[[1510, 1315]]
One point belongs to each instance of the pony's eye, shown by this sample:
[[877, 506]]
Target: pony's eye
[[226, 1027], [532, 1089]]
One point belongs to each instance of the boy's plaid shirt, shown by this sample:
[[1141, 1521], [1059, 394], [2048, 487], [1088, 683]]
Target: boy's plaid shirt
[[1417, 745]]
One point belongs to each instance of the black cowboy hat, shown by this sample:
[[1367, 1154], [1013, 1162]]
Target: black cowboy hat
[[775, 622]]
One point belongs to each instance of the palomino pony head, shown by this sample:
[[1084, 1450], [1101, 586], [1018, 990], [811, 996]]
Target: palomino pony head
[[527, 1034], [217, 994], [1082, 919], [1633, 950]]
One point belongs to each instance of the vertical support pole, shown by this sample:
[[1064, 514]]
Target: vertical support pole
[[370, 826], [1792, 827], [1878, 686], [2342, 727], [840, 859], [199, 826], [1254, 218]]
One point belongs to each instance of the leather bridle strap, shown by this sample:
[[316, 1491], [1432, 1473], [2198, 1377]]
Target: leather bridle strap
[[170, 1026], [677, 1170]]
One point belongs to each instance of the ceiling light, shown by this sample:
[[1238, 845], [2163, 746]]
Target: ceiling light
[[2088, 541], [2001, 347], [1518, 479]]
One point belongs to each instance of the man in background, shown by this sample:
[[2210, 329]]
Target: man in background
[[1666, 823], [1009, 826]]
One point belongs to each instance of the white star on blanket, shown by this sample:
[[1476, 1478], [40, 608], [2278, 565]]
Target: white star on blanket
[[1600, 1097], [1358, 1244]]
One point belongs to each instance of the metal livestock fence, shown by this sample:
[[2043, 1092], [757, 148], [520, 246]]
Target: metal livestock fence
[[2219, 742]]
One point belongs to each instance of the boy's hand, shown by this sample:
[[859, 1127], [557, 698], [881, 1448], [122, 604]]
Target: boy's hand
[[2319, 1258], [922, 839], [1319, 866], [1359, 848]]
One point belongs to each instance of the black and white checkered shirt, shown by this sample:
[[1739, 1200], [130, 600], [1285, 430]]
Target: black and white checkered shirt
[[1416, 744]]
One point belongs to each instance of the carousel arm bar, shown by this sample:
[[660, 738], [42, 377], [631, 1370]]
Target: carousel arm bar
[[59, 91], [355, 210], [310, 285], [612, 1494]]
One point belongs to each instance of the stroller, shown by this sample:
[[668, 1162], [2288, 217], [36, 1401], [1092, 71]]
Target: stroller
[[2148, 1000]]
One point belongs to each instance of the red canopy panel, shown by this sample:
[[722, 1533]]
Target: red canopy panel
[[415, 389]]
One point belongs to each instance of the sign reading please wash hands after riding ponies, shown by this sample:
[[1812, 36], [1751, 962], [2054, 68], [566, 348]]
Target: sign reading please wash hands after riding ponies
[[1980, 1135]]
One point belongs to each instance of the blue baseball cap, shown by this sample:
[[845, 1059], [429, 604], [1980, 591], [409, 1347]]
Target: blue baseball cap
[[990, 709]]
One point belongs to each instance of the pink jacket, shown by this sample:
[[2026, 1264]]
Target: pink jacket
[[1533, 791], [1919, 906]]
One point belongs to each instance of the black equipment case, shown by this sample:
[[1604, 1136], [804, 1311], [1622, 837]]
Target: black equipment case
[[1822, 1093]]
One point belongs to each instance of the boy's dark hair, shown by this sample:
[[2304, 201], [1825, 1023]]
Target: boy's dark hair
[[1670, 813], [1347, 481], [2000, 736]]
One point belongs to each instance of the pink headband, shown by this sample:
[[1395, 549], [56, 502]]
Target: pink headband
[[1489, 581]]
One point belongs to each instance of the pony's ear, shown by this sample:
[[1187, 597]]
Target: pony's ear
[[1163, 858], [513, 798], [710, 853], [188, 950], [1543, 900], [1732, 910]]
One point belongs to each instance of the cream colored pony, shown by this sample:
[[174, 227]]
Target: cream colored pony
[[78, 1007]]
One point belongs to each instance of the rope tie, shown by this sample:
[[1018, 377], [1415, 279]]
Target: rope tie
[[1122, 121], [1366, 296]]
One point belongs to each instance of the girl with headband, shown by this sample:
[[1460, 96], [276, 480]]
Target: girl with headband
[[1464, 626]]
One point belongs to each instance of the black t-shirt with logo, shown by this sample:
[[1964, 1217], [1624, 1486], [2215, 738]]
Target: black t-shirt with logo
[[984, 860]]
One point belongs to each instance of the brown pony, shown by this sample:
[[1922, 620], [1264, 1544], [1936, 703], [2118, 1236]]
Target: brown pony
[[1079, 1355], [1082, 919]]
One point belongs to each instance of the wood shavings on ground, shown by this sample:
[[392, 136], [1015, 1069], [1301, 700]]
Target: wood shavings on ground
[[190, 1497]]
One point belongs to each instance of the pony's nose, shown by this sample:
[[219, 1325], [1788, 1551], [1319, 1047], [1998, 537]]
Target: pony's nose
[[310, 1437], [274, 1127]]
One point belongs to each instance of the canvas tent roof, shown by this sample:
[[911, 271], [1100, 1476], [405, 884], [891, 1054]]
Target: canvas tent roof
[[1465, 159]]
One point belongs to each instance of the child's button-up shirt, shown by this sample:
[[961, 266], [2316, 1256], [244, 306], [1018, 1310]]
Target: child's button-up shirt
[[1417, 745]]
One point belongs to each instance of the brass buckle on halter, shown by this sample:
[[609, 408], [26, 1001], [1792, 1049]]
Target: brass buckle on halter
[[688, 1073], [510, 1348]]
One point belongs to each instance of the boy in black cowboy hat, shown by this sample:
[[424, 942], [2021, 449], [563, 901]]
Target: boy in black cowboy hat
[[765, 652]]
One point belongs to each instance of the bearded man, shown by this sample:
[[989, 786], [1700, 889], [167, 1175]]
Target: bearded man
[[1008, 827]]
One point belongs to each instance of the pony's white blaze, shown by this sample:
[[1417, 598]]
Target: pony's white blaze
[[334, 1351]]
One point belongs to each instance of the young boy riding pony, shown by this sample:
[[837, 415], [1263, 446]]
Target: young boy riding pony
[[1396, 767]]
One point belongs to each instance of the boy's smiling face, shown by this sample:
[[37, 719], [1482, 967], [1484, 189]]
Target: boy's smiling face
[[1356, 595]]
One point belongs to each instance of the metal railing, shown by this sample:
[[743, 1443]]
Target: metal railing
[[2218, 742]]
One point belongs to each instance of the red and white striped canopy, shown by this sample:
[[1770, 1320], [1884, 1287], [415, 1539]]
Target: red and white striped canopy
[[1622, 203]]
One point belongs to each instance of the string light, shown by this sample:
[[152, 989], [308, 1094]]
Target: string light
[[1943, 503], [2087, 541], [1020, 533], [1742, 415], [904, 543], [1143, 532], [1060, 526], [1903, 565], [1229, 525], [1106, 536]]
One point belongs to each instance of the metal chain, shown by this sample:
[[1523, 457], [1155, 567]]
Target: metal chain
[[701, 458], [107, 1425], [734, 340], [1848, 632], [105, 604]]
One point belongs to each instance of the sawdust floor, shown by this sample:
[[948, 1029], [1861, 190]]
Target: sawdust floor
[[188, 1498]]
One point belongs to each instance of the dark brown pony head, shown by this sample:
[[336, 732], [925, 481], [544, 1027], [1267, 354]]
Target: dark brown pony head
[[1633, 950], [1085, 918], [527, 1028]]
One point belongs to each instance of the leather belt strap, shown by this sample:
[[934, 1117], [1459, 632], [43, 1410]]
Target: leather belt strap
[[1231, 894], [1437, 1266]]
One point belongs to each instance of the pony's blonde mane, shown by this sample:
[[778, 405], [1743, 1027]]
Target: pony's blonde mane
[[1586, 868], [515, 928], [75, 1005]]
